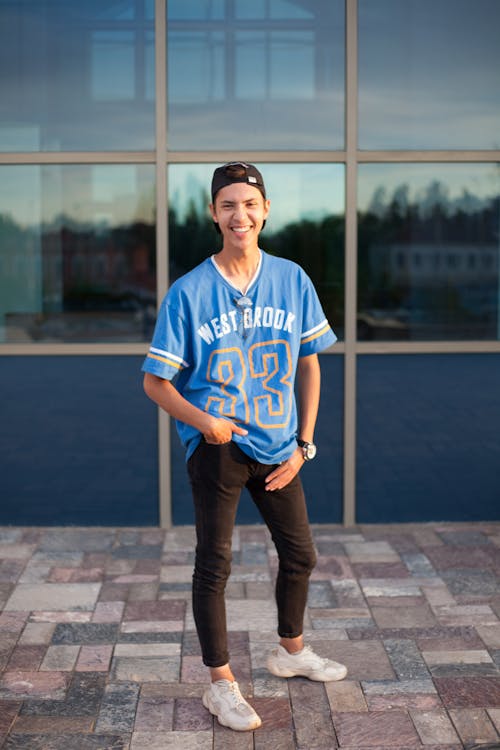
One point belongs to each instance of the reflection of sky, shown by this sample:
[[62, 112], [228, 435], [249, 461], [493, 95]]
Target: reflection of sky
[[429, 74], [107, 194], [77, 75], [269, 77], [296, 191], [479, 181]]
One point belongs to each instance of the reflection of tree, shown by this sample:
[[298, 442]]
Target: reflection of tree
[[432, 258], [318, 246], [73, 267]]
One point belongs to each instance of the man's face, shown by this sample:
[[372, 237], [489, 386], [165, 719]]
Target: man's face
[[240, 211]]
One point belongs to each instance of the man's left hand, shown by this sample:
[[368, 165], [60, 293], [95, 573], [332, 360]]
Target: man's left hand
[[285, 472]]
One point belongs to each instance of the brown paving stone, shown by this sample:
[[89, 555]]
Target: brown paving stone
[[449, 644], [53, 724], [345, 696], [275, 713], [311, 714], [26, 657], [114, 592], [365, 660], [75, 575], [155, 713], [469, 692], [8, 712], [434, 727], [420, 701], [274, 739], [397, 617], [171, 609], [395, 601], [473, 725], [190, 715], [332, 567], [380, 570], [494, 714], [388, 729], [19, 684]]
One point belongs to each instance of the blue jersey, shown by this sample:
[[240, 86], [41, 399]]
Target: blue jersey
[[235, 356]]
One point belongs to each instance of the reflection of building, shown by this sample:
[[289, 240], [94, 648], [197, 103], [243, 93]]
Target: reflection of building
[[434, 264], [105, 118]]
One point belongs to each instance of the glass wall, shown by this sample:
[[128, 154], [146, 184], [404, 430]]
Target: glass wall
[[77, 76], [428, 74], [78, 253], [376, 125], [429, 250], [261, 75]]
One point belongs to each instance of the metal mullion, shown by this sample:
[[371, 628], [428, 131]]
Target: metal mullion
[[78, 157], [351, 130], [437, 157], [263, 157], [62, 349], [428, 347], [164, 463]]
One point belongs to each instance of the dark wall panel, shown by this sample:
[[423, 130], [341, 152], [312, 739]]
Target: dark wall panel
[[428, 433], [78, 442]]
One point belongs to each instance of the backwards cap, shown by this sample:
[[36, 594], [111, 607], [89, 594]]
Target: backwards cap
[[237, 171]]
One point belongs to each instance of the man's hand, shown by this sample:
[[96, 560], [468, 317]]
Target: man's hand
[[285, 472], [221, 430]]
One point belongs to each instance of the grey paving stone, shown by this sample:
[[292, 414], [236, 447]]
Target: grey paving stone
[[85, 540], [66, 742], [321, 594], [84, 633], [58, 596], [418, 564], [117, 711], [406, 659], [82, 698], [471, 582], [138, 551]]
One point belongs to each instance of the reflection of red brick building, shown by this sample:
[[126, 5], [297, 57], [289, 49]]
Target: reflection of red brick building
[[85, 269]]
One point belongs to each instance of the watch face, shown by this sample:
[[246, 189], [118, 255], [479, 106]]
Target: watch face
[[309, 451]]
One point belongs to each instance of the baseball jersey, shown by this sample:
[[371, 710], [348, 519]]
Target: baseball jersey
[[235, 356]]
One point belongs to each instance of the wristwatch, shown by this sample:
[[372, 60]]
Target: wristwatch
[[308, 449]]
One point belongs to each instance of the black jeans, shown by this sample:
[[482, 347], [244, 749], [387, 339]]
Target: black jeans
[[218, 473]]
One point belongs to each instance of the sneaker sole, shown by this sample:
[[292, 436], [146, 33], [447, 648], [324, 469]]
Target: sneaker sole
[[275, 670], [257, 723]]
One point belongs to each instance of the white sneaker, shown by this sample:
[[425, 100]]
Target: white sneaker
[[304, 663], [224, 700]]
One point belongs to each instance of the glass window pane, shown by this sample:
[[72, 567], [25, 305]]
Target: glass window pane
[[77, 76], [77, 253], [306, 223], [256, 76], [424, 64], [429, 252]]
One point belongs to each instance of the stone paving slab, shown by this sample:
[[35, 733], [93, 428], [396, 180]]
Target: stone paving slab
[[98, 649]]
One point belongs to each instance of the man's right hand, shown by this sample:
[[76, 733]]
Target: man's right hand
[[221, 430]]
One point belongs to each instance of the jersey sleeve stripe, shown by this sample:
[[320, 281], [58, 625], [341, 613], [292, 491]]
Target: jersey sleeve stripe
[[166, 360], [319, 327], [316, 335], [169, 355]]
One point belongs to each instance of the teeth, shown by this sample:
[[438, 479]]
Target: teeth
[[241, 230]]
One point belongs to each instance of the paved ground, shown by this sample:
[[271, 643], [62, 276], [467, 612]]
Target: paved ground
[[98, 649]]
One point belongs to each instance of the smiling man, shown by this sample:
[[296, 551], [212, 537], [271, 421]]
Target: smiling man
[[235, 332]]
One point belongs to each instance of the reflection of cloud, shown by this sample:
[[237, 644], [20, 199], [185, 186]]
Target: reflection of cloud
[[388, 119]]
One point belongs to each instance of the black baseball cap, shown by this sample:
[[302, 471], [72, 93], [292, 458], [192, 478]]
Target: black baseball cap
[[237, 171]]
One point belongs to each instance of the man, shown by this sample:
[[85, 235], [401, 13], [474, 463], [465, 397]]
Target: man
[[236, 330]]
